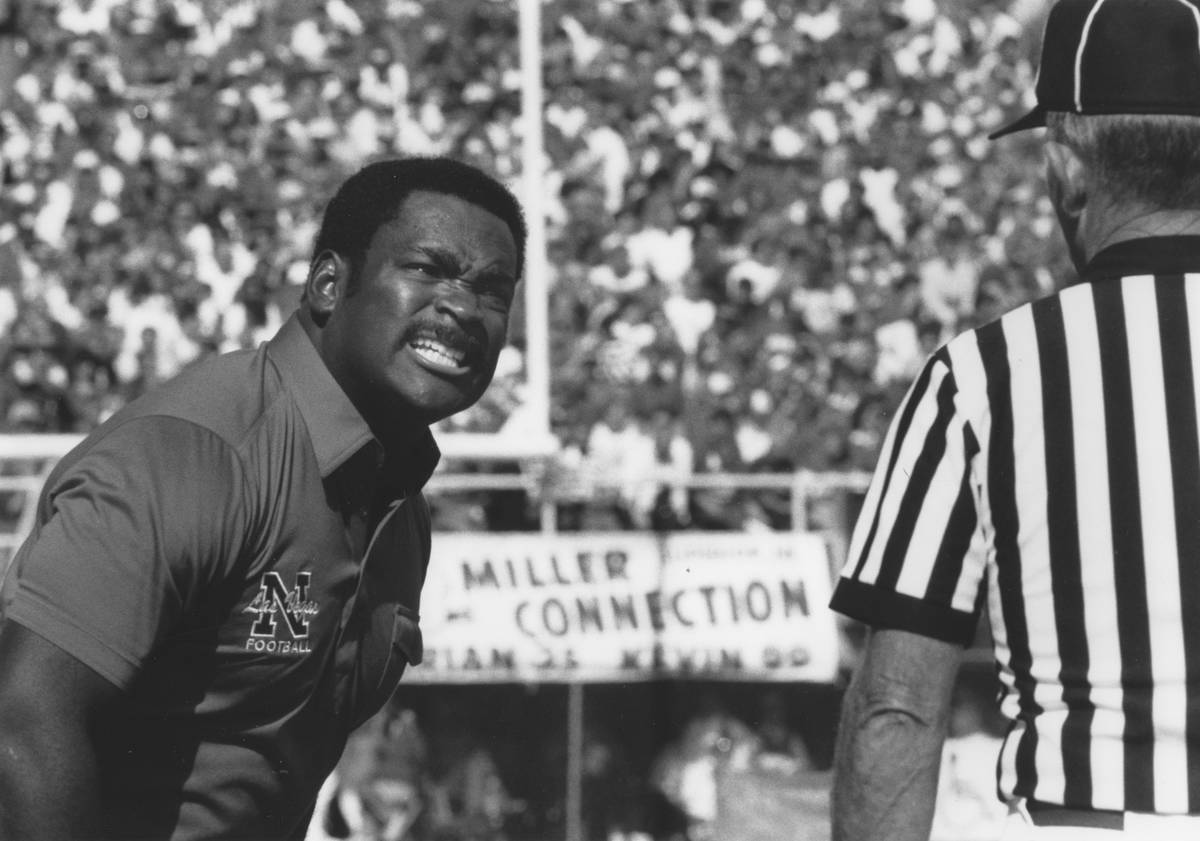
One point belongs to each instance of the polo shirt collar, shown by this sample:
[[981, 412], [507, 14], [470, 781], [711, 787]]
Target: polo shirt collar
[[336, 428], [1146, 255], [338, 432]]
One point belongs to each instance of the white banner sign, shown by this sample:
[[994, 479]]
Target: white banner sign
[[627, 606]]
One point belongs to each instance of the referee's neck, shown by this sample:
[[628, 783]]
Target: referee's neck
[[1109, 229]]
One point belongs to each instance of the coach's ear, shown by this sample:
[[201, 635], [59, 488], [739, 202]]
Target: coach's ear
[[326, 285]]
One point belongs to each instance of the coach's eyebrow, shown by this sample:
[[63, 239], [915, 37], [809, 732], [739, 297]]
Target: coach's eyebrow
[[443, 258], [450, 262]]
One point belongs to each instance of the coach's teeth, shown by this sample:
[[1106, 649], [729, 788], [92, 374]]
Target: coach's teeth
[[438, 353]]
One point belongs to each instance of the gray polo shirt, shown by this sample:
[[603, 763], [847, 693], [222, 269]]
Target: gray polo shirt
[[235, 552]]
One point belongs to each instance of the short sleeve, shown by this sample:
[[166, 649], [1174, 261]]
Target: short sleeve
[[917, 557], [133, 534]]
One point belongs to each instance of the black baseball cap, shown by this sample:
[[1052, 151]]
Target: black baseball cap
[[1117, 57]]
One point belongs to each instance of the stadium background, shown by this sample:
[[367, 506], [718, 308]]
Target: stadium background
[[760, 218]]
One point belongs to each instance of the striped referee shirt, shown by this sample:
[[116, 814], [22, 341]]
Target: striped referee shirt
[[1048, 464]]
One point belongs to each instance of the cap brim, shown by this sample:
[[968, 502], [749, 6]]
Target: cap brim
[[1034, 119]]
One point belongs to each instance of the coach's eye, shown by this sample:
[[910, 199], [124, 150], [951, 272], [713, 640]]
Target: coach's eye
[[426, 269], [497, 296]]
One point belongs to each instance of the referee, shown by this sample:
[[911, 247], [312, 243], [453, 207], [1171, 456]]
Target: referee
[[1048, 465]]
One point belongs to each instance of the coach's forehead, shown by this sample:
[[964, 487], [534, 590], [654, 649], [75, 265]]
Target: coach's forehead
[[449, 223]]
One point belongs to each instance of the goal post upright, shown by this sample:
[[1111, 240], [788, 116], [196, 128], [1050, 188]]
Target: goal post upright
[[537, 343], [533, 185]]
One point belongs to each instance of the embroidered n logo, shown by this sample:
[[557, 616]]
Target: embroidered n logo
[[275, 598]]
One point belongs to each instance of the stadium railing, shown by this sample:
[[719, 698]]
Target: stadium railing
[[27, 459]]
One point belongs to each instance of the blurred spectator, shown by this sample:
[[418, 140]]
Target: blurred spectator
[[618, 453], [757, 275], [780, 747], [662, 502], [379, 789], [897, 336], [720, 508], [687, 770], [950, 278], [469, 799], [613, 802], [663, 246]]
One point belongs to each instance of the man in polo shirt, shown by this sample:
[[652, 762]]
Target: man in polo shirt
[[224, 579], [1047, 465]]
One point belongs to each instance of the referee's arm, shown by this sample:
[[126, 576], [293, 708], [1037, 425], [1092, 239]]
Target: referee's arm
[[889, 748], [50, 704], [914, 573]]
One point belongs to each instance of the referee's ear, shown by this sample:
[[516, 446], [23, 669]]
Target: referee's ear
[[326, 285], [1067, 179], [1068, 182]]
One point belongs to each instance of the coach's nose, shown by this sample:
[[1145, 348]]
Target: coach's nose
[[458, 301]]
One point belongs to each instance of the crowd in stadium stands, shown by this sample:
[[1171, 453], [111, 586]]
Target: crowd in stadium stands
[[762, 215]]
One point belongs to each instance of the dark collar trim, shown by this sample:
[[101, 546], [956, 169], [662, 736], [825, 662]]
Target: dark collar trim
[[1146, 256]]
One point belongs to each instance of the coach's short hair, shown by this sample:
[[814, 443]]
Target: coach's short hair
[[373, 196], [1153, 159]]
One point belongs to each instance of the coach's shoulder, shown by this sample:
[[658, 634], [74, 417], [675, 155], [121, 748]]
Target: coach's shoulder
[[226, 394], [151, 451]]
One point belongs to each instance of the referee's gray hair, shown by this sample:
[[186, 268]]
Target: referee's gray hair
[[1153, 159]]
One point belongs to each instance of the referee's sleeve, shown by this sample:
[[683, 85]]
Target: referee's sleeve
[[917, 558]]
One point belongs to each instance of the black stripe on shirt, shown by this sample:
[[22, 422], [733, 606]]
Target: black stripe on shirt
[[902, 424], [956, 541], [1062, 518], [1129, 568], [924, 468], [1180, 389], [993, 351]]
